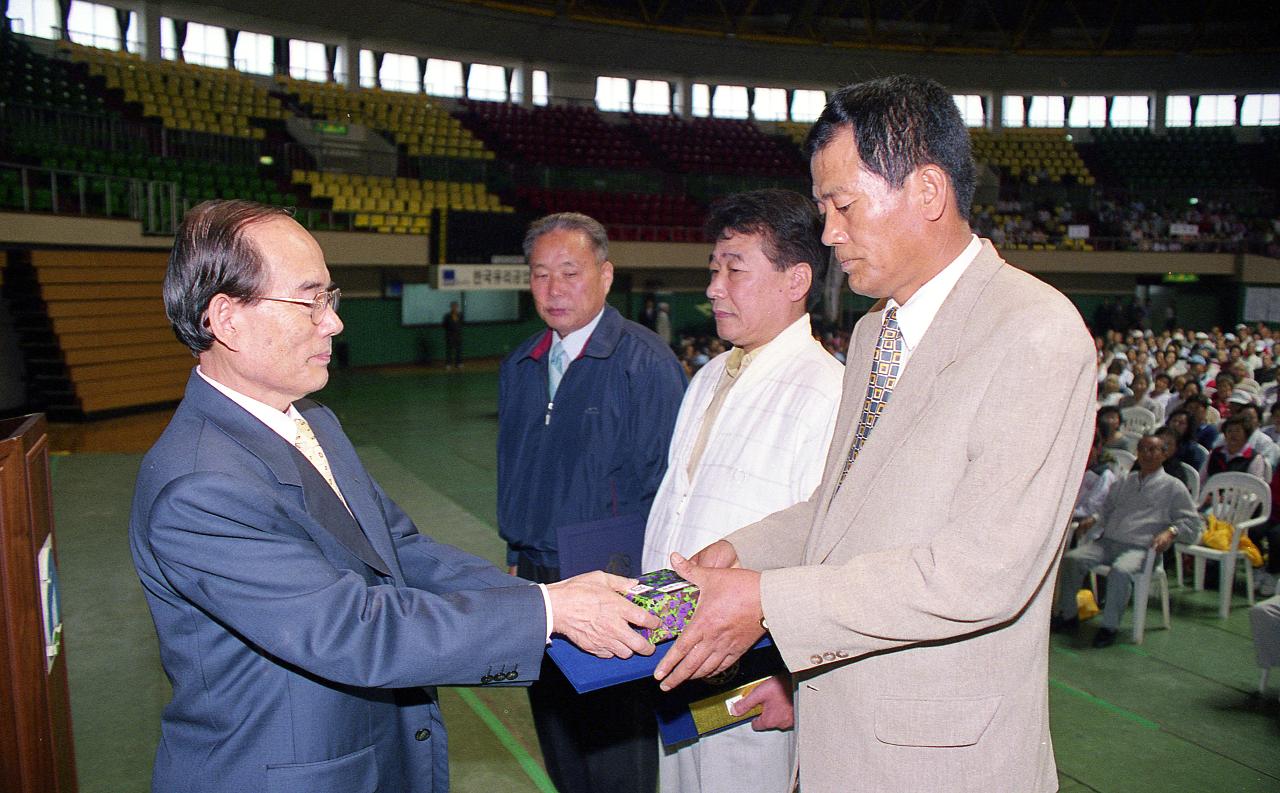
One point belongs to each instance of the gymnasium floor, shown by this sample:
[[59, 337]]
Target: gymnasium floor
[[1177, 714]]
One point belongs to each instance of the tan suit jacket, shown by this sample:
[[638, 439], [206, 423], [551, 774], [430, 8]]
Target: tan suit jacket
[[914, 603]]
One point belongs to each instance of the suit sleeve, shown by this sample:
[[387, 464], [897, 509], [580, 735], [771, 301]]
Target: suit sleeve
[[437, 566], [1002, 533], [243, 556]]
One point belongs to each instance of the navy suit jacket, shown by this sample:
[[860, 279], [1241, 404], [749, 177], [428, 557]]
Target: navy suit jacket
[[300, 645]]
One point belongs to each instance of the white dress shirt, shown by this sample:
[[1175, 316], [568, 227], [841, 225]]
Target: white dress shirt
[[916, 315], [575, 341]]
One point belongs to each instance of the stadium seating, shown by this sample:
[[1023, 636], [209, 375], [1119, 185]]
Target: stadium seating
[[627, 216], [185, 96], [1031, 155], [396, 204], [717, 145], [561, 136], [413, 121], [1137, 159], [32, 79]]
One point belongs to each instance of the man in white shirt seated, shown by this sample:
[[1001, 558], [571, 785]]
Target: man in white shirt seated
[[751, 439], [1147, 509]]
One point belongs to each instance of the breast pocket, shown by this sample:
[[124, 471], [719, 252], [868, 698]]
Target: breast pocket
[[352, 773], [934, 722]]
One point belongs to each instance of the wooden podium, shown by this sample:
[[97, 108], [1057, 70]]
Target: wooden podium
[[36, 753]]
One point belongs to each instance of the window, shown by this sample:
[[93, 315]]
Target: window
[[1260, 110], [306, 61], [729, 101], [487, 82], [133, 35], [613, 94], [368, 74], [1088, 111], [1177, 110], [93, 25], [254, 53], [807, 105], [540, 89], [38, 18], [206, 45], [444, 78], [1216, 111], [971, 109], [1130, 111], [652, 96], [340, 65], [701, 104], [168, 40], [1046, 111], [399, 73], [770, 104], [1012, 113]]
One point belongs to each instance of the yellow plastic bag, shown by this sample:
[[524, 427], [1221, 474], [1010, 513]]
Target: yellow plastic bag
[[1218, 536], [1086, 606]]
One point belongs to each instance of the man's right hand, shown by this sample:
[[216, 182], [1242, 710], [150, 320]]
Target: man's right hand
[[590, 611], [718, 554]]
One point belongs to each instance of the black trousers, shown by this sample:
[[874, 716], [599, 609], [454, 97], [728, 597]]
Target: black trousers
[[601, 742]]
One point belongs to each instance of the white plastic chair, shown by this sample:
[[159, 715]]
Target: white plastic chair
[[1152, 570], [1137, 419], [1212, 416], [1122, 461], [1244, 501], [1193, 477]]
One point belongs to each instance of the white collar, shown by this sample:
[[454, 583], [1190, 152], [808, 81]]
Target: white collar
[[916, 315], [575, 341], [281, 423]]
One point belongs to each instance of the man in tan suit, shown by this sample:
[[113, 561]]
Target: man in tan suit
[[911, 593]]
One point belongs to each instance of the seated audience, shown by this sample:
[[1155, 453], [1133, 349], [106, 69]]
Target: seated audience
[[1140, 398], [1172, 465], [1146, 509], [1108, 426], [1235, 454]]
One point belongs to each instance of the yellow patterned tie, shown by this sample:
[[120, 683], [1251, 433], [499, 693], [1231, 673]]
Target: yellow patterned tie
[[886, 364], [310, 447]]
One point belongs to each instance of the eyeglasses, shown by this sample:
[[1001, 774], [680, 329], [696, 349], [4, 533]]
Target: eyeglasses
[[329, 298]]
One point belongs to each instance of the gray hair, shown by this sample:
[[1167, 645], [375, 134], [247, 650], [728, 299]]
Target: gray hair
[[569, 221]]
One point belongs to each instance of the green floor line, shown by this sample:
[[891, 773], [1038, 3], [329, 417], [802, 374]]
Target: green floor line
[[1102, 703], [526, 761]]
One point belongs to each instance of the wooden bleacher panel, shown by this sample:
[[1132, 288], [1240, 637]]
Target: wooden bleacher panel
[[113, 337]]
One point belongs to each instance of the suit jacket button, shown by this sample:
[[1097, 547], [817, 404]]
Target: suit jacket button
[[512, 675], [487, 679], [841, 654], [422, 734], [817, 659], [828, 656]]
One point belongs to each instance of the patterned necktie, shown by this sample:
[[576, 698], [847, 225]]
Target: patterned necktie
[[886, 364], [310, 447], [555, 369]]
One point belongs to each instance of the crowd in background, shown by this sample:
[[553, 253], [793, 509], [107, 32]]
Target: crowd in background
[[1213, 396], [1131, 225]]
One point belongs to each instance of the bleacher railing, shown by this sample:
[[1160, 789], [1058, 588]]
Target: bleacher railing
[[152, 203]]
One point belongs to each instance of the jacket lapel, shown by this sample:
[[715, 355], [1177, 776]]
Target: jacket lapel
[[911, 396], [287, 464], [357, 488]]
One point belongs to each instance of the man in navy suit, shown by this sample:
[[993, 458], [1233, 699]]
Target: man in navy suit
[[302, 618]]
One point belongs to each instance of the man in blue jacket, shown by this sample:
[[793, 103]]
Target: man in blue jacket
[[586, 409], [301, 616]]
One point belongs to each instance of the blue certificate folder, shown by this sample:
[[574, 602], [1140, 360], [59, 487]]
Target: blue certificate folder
[[675, 723], [613, 545]]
